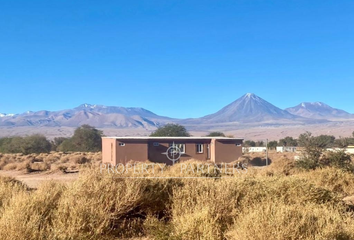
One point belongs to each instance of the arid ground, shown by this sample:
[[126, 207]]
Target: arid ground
[[66, 196], [337, 129]]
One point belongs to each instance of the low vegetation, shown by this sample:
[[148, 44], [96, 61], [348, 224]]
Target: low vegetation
[[54, 161], [277, 202], [85, 139], [286, 200], [171, 130]]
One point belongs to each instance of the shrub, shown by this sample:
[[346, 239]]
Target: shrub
[[298, 221], [9, 187], [216, 134], [338, 159], [105, 205], [80, 159], [30, 215], [171, 130]]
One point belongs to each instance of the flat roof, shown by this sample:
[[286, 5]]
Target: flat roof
[[180, 138]]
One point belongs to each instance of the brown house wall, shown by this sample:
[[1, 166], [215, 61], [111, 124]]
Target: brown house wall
[[133, 150], [142, 150], [155, 152], [227, 151]]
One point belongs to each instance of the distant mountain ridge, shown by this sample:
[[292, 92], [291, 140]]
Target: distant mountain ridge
[[95, 115], [318, 110], [248, 109]]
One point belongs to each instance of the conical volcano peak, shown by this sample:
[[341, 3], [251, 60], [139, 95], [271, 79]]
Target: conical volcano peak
[[249, 108], [251, 96]]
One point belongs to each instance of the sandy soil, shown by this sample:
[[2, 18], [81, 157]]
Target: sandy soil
[[33, 180]]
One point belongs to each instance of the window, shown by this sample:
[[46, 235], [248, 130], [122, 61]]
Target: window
[[180, 146], [156, 144], [121, 144], [199, 147]]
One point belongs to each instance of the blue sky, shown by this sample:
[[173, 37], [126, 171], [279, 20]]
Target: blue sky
[[180, 58]]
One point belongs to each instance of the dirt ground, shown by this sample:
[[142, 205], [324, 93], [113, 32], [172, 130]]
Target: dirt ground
[[33, 180]]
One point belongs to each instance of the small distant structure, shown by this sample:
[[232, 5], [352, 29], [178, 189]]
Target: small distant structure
[[253, 149], [348, 150], [286, 149]]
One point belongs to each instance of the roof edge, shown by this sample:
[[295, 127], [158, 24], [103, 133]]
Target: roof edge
[[184, 138]]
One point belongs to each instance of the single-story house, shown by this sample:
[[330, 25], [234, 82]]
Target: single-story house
[[348, 150], [167, 150], [254, 149], [286, 149]]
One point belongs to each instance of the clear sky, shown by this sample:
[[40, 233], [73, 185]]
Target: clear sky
[[180, 58]]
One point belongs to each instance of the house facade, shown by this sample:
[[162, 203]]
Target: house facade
[[120, 150], [254, 149], [286, 149]]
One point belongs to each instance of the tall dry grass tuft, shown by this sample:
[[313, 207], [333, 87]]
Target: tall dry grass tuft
[[334, 179], [99, 205], [279, 221], [252, 205], [30, 215], [9, 187], [204, 209]]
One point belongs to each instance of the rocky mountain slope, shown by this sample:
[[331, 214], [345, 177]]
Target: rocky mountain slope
[[318, 110]]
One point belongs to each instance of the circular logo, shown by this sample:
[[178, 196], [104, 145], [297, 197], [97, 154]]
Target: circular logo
[[173, 153]]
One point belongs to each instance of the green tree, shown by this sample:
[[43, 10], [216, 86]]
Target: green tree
[[342, 142], [57, 141], [35, 144], [216, 134], [171, 130], [272, 144], [31, 144], [249, 143], [338, 159], [85, 139], [288, 142], [325, 141], [312, 150], [11, 144]]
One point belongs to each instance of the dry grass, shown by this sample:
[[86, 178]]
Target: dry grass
[[277, 202], [47, 161]]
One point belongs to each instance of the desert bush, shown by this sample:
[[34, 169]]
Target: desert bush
[[335, 180], [79, 159], [106, 204], [10, 166], [283, 166], [38, 166], [63, 168], [280, 221], [25, 165], [30, 215], [31, 144], [338, 159], [8, 188], [203, 209]]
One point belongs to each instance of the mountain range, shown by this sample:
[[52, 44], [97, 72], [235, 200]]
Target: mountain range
[[249, 109]]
